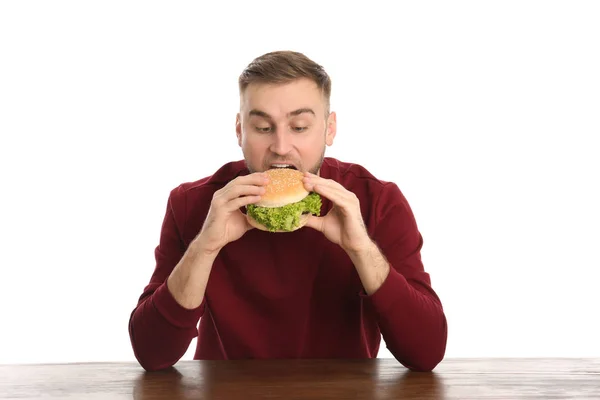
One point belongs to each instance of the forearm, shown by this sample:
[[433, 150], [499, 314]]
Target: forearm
[[187, 283], [412, 321], [398, 290], [159, 336], [372, 267], [164, 323]]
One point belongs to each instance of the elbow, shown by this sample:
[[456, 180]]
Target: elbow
[[152, 363], [153, 366], [147, 365], [434, 353], [144, 356], [425, 362], [427, 354], [425, 365], [149, 361]]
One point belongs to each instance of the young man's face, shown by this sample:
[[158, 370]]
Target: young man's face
[[284, 124]]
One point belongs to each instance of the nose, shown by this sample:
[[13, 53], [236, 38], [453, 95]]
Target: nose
[[281, 144]]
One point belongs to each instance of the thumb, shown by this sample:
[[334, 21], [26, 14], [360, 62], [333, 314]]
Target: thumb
[[247, 225], [316, 223]]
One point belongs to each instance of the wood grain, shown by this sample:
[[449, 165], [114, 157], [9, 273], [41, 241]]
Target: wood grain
[[307, 379]]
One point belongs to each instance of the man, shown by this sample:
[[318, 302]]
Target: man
[[330, 289]]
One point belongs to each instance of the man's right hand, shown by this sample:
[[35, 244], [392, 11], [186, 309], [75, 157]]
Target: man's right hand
[[225, 222]]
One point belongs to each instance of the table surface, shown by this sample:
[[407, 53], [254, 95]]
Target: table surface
[[307, 379]]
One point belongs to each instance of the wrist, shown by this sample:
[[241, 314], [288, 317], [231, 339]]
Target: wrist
[[199, 246], [187, 282], [371, 266], [362, 250]]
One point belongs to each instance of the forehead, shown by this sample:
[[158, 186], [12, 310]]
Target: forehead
[[283, 97]]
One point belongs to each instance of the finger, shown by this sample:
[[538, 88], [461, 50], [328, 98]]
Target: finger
[[241, 190], [257, 178], [342, 198], [313, 180], [320, 179], [249, 226], [316, 223], [327, 185], [338, 192], [240, 202]]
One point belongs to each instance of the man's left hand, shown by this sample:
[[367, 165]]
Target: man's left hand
[[343, 224]]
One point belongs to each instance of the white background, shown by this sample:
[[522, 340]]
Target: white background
[[486, 114]]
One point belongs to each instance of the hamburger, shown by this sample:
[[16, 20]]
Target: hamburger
[[286, 204]]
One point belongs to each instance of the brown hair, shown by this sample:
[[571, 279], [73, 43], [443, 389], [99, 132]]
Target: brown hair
[[284, 67]]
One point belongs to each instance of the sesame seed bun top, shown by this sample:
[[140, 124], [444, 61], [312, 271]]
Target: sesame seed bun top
[[285, 187]]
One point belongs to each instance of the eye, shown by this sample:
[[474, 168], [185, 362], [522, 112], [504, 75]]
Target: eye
[[299, 128], [263, 129]]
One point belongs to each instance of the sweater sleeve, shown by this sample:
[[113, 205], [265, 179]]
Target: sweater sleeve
[[160, 329], [410, 314]]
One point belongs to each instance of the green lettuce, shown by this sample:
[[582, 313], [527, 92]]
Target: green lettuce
[[285, 218]]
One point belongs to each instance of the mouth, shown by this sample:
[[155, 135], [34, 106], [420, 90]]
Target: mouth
[[283, 166]]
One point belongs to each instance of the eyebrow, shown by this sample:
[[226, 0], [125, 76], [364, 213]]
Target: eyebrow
[[294, 113]]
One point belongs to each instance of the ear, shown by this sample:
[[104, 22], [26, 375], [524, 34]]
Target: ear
[[238, 129], [331, 129]]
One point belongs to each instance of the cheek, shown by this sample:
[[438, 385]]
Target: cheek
[[314, 142], [253, 145], [311, 149]]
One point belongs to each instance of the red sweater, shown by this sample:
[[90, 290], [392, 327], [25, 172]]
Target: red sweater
[[292, 295]]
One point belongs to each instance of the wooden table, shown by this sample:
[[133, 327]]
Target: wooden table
[[307, 379]]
